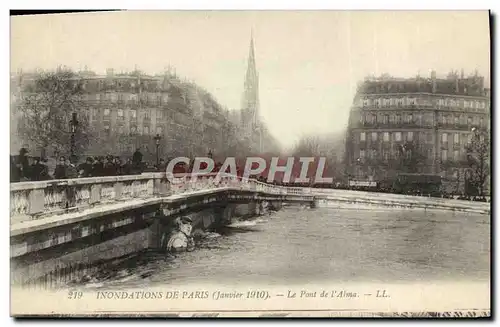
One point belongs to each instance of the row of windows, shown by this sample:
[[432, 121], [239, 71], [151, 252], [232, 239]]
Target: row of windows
[[451, 102], [455, 173], [120, 113], [406, 118], [444, 155], [178, 117], [127, 97], [466, 138], [386, 155], [144, 130], [461, 119], [411, 101], [409, 137], [397, 136], [125, 83], [419, 118]]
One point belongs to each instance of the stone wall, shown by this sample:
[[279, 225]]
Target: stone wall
[[75, 265]]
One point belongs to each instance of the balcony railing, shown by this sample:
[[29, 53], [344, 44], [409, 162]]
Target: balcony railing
[[412, 124], [452, 163], [459, 126], [415, 124]]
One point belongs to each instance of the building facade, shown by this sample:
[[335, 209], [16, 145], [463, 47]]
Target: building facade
[[416, 125], [126, 111]]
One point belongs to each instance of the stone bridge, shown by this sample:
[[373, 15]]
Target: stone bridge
[[59, 223], [62, 229]]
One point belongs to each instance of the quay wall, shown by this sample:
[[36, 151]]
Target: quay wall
[[354, 199]]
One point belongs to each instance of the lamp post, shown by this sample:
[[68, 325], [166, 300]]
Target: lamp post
[[157, 139], [73, 125]]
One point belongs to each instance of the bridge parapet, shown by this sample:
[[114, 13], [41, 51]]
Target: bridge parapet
[[34, 200], [30, 200]]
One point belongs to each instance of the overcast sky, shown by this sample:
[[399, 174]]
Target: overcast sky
[[308, 62]]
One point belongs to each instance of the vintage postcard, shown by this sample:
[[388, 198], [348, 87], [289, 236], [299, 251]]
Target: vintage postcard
[[250, 163]]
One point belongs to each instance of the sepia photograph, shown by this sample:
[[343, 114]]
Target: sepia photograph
[[250, 164]]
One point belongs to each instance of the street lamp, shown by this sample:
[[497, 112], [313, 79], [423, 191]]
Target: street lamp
[[157, 139], [73, 125]]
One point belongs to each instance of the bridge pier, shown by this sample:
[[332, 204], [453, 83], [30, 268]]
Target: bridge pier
[[276, 205], [246, 209]]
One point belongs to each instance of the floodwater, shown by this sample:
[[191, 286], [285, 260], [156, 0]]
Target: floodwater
[[298, 245]]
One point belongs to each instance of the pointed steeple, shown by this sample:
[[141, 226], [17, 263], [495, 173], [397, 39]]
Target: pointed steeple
[[251, 76], [250, 100]]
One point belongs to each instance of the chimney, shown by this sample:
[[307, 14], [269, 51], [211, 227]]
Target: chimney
[[433, 80]]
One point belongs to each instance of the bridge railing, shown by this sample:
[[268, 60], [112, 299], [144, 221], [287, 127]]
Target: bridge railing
[[30, 200], [33, 200]]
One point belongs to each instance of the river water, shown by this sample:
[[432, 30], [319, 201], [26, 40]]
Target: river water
[[299, 246]]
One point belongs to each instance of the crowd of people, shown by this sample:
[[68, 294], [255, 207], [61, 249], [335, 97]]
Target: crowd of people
[[25, 168], [22, 170]]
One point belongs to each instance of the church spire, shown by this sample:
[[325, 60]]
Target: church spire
[[250, 103], [251, 76], [250, 116]]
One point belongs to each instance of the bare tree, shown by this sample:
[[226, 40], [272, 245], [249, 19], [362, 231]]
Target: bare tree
[[47, 105], [330, 146], [478, 154], [307, 146]]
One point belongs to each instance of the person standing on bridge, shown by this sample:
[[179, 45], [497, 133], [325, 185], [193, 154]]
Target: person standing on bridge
[[37, 169], [23, 164], [109, 166], [60, 171], [98, 167], [137, 161], [85, 169], [14, 171], [127, 167]]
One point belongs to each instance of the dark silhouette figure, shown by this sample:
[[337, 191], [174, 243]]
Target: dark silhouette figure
[[61, 169], [137, 157], [14, 170], [71, 169], [137, 162], [45, 170], [23, 164], [109, 166], [126, 169], [85, 169], [37, 169], [98, 167], [118, 166]]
